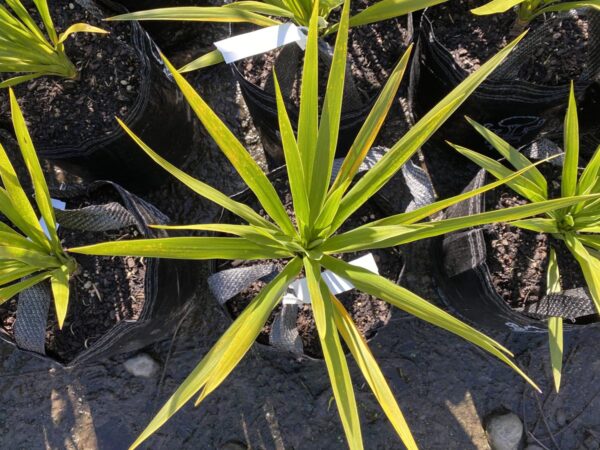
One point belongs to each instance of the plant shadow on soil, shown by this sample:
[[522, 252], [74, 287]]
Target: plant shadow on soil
[[445, 386]]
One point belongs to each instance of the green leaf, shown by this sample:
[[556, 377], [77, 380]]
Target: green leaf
[[15, 195], [495, 7], [295, 170], [80, 28], [513, 156], [370, 128], [589, 177], [207, 60], [60, 291], [235, 152], [333, 354], [6, 293], [555, 324], [370, 237], [402, 298], [381, 173], [411, 217], [521, 185], [329, 126], [26, 18], [42, 7], [202, 189], [568, 185], [228, 350], [185, 248], [199, 14], [258, 235], [28, 256], [537, 224], [308, 116], [589, 264], [42, 195], [388, 9], [555, 339], [366, 362], [260, 8]]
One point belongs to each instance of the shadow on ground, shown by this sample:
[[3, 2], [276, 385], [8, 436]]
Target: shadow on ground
[[445, 386]]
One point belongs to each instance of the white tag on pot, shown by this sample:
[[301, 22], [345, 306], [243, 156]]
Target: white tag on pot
[[56, 204], [337, 285], [260, 41]]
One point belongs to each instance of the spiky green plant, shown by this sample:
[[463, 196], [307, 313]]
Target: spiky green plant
[[577, 226], [25, 49], [320, 208], [265, 13], [27, 254]]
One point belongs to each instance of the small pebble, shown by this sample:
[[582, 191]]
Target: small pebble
[[141, 365], [504, 432]]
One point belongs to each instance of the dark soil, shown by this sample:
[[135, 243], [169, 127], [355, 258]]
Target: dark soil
[[65, 112], [373, 51], [518, 259], [104, 291], [472, 40], [369, 313]]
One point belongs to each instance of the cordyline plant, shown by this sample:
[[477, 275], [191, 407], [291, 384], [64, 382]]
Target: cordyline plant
[[27, 254], [578, 226], [319, 208], [265, 13], [527, 10], [25, 49]]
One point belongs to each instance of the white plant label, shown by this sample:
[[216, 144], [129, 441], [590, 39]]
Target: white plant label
[[260, 41], [336, 284], [56, 204]]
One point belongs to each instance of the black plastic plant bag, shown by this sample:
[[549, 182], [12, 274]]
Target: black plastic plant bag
[[160, 116], [407, 191], [168, 35], [262, 103], [465, 284], [168, 284], [517, 110]]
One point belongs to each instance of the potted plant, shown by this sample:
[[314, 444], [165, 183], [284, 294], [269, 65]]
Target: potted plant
[[372, 53], [307, 239], [561, 246], [102, 306], [72, 85]]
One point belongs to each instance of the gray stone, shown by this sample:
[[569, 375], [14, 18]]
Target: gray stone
[[504, 432], [141, 365], [533, 447]]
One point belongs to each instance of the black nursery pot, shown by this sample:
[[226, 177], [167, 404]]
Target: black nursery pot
[[359, 91], [291, 328], [121, 75], [462, 272], [168, 35], [515, 101], [116, 305]]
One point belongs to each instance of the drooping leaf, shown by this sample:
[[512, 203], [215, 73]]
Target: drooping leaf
[[335, 360], [404, 299], [233, 345], [555, 324], [366, 362]]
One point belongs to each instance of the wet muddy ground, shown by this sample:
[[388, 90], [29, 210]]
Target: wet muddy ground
[[445, 386]]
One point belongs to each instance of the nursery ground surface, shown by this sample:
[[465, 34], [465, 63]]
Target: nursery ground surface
[[445, 386]]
